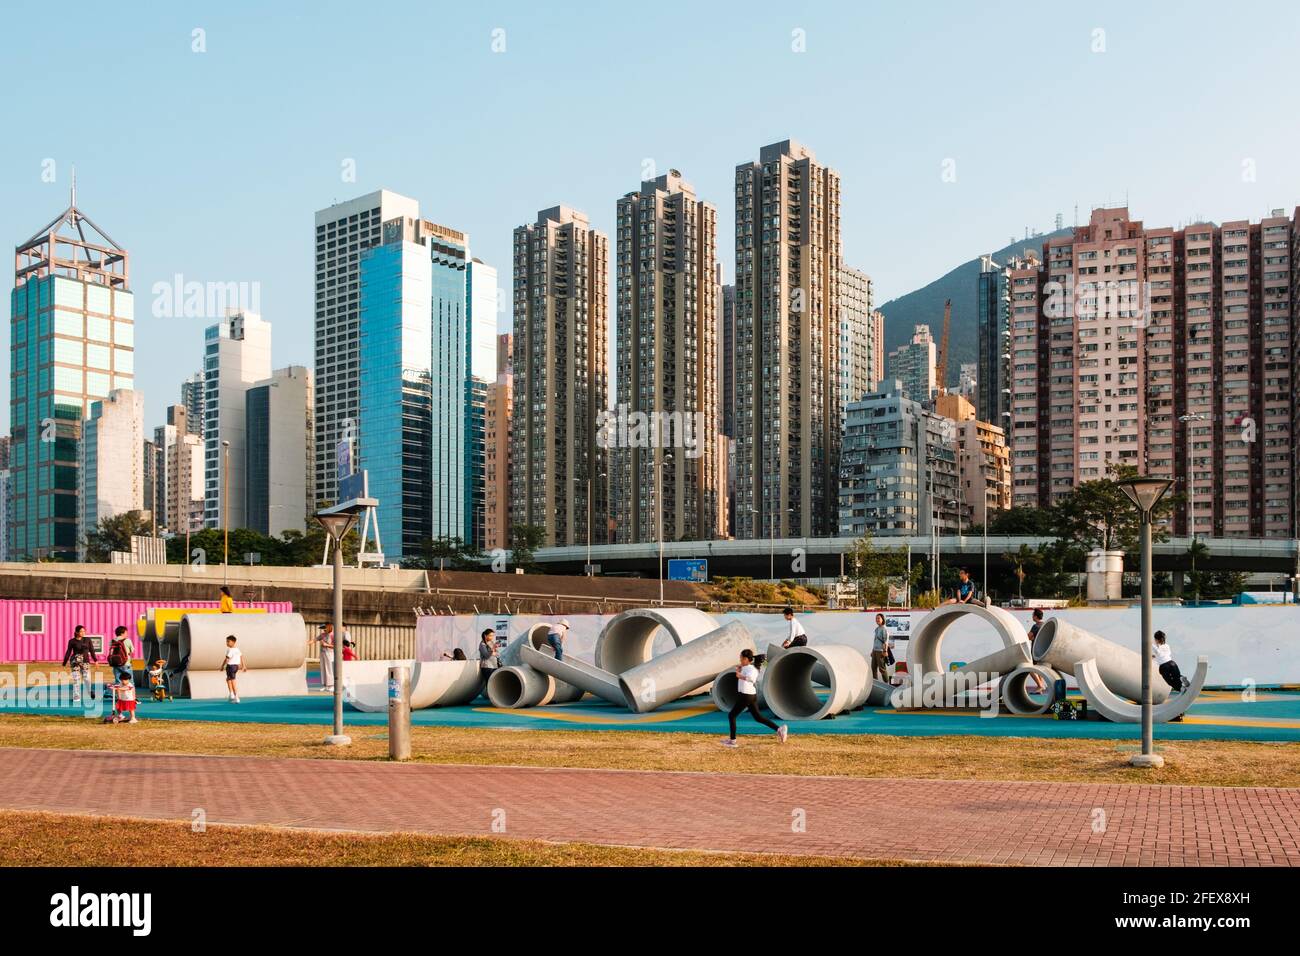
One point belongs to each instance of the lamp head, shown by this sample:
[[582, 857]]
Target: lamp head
[[1145, 492]]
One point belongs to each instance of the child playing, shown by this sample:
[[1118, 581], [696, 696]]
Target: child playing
[[1163, 655], [747, 697], [234, 664], [124, 701]]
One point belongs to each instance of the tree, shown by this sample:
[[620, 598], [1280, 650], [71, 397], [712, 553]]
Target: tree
[[447, 553], [1097, 514], [525, 539], [1023, 522], [874, 569], [114, 533]]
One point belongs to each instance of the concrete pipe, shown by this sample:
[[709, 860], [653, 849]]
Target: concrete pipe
[[273, 646], [575, 673], [1015, 694], [533, 643], [1061, 645], [519, 686], [687, 668], [1121, 711], [433, 683], [627, 641], [819, 674], [927, 639], [788, 682], [724, 691]]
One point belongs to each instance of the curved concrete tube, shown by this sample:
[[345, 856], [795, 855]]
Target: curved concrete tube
[[819, 673], [929, 685], [578, 674], [519, 686], [687, 668], [274, 650], [627, 641], [433, 683], [788, 682], [1061, 645], [1119, 711], [1015, 694], [534, 640]]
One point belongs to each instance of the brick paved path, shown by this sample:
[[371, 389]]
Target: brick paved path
[[953, 821]]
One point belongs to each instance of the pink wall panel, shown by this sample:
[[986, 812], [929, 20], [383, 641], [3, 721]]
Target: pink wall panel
[[99, 617]]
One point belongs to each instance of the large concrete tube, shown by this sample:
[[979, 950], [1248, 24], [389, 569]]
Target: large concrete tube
[[1061, 645], [684, 669], [433, 683], [533, 643], [627, 641], [519, 686], [274, 650], [724, 691], [819, 674], [788, 682], [925, 642], [575, 673], [1015, 694], [1120, 711]]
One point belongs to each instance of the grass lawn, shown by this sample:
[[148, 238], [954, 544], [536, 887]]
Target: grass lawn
[[1201, 762], [52, 839]]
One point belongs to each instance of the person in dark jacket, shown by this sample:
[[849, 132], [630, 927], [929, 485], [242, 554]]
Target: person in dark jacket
[[80, 655]]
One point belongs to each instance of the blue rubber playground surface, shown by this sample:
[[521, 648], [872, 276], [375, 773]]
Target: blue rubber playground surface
[[1216, 715]]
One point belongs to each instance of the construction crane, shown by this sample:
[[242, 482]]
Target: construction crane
[[942, 362]]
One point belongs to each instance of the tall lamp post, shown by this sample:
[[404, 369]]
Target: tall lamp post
[[659, 507], [225, 511], [1145, 493], [590, 571], [1191, 489], [336, 525]]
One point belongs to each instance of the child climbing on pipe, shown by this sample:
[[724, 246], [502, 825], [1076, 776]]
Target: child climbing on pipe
[[1163, 655], [747, 697]]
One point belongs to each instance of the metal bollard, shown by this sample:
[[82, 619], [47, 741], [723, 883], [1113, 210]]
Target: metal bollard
[[399, 713]]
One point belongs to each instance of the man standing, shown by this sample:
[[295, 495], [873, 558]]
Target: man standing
[[487, 656], [120, 653], [797, 637]]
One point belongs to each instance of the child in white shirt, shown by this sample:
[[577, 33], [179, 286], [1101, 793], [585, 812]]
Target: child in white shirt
[[234, 664], [747, 698], [1163, 655]]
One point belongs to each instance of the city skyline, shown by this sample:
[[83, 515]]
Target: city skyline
[[264, 174]]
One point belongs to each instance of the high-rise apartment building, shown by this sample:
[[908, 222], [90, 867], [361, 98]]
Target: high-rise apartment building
[[481, 370], [561, 388], [877, 354], [72, 342], [279, 451], [1168, 350], [993, 362], [787, 320], [237, 354], [856, 341], [983, 460], [667, 320], [343, 232], [6, 507], [727, 358], [496, 462], [183, 483], [899, 471], [192, 397], [914, 364], [110, 461]]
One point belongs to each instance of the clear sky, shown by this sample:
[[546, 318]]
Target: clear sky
[[211, 164]]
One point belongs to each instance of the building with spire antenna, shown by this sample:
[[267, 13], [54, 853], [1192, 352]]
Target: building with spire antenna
[[72, 338]]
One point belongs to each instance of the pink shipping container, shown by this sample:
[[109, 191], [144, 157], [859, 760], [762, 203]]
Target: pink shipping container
[[39, 630]]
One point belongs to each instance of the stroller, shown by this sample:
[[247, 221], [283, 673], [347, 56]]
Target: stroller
[[158, 682]]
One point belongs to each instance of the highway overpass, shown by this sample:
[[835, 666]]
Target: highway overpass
[[821, 557]]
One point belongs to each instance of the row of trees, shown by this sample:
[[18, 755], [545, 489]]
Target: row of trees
[[1096, 514]]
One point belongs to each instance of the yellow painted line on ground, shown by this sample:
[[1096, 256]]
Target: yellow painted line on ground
[[1243, 721], [1224, 721], [657, 717]]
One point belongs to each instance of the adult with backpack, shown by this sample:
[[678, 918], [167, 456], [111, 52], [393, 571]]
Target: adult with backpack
[[120, 653]]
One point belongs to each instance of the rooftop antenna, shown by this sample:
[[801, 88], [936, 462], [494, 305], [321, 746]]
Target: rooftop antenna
[[1076, 215]]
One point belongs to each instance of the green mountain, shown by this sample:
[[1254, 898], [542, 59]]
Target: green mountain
[[924, 306]]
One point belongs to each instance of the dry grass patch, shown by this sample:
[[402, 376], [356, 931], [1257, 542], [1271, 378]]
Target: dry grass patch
[[1201, 762], [51, 839]]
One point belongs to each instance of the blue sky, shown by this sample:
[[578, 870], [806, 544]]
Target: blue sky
[[210, 165]]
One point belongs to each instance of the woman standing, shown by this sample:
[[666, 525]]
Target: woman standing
[[880, 645], [227, 602], [747, 698]]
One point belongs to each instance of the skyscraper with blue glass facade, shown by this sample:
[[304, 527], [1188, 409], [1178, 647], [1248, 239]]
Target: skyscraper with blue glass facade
[[419, 406]]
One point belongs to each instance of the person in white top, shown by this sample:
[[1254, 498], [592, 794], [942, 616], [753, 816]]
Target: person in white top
[[747, 698], [797, 637], [555, 637], [1163, 655], [234, 664]]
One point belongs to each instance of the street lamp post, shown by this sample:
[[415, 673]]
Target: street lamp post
[[659, 507], [1145, 493], [337, 525], [1191, 492], [225, 511]]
